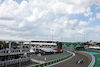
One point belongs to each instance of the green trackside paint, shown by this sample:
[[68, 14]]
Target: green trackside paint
[[97, 56]]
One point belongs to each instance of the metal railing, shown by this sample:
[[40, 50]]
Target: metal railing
[[13, 51], [14, 61], [93, 50], [4, 51]]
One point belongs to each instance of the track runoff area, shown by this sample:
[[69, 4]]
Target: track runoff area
[[73, 61], [97, 57]]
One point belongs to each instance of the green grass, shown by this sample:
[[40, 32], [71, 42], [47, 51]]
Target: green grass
[[97, 56]]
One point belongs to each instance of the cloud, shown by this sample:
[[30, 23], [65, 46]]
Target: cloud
[[91, 33], [88, 12], [83, 23], [73, 24], [98, 15], [36, 19]]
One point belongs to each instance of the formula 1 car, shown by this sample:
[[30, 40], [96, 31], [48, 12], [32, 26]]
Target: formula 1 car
[[79, 61]]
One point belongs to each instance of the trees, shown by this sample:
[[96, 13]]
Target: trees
[[6, 45], [90, 41], [87, 43], [98, 44]]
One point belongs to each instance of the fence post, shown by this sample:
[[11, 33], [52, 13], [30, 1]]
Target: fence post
[[19, 63], [6, 64]]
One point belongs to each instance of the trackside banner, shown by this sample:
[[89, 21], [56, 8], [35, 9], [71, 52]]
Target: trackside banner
[[64, 45]]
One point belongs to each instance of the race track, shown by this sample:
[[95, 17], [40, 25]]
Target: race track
[[72, 62]]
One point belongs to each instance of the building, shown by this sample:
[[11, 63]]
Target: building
[[14, 56]]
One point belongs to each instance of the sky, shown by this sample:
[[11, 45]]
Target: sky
[[57, 20]]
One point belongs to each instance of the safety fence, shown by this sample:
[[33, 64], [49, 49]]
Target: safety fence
[[14, 61], [12, 51], [50, 62]]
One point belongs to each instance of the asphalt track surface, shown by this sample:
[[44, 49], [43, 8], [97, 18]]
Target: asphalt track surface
[[50, 57], [73, 61]]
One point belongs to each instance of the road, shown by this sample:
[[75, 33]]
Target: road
[[72, 62], [50, 57]]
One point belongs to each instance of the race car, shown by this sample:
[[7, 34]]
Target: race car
[[79, 61]]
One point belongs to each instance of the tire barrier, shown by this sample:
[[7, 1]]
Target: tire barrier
[[51, 62]]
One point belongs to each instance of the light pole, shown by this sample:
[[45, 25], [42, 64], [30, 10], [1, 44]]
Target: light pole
[[97, 35], [52, 35], [84, 37], [87, 36], [61, 34]]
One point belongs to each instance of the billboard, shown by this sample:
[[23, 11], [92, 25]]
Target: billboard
[[65, 45]]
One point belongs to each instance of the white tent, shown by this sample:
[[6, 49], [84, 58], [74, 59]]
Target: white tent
[[94, 47]]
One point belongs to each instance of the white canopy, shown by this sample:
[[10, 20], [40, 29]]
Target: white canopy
[[39, 43], [48, 49], [94, 47]]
